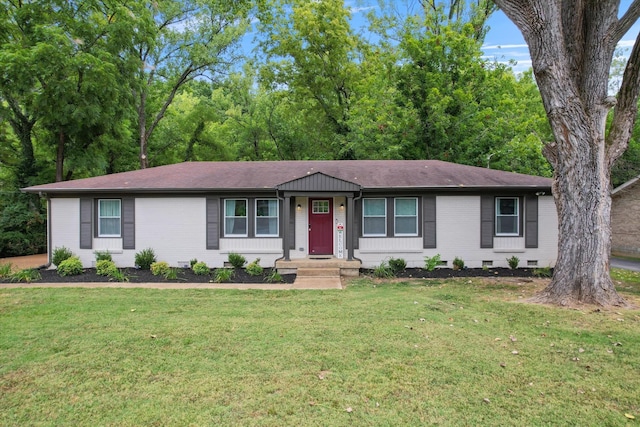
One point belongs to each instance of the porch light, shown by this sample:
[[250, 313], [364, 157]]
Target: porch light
[[299, 207], [341, 206]]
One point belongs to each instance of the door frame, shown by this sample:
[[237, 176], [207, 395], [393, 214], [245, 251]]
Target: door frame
[[329, 236]]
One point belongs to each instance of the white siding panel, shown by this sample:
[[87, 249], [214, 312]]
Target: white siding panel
[[268, 250], [375, 250], [175, 228], [508, 244], [547, 250], [65, 228], [111, 245], [458, 230]]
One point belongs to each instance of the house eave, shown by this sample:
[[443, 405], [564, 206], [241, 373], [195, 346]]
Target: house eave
[[194, 191]]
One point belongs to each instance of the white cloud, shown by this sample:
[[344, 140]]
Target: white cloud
[[505, 46]]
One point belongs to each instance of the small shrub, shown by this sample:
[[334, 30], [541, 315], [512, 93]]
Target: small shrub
[[513, 262], [172, 274], [193, 262], [430, 263], [542, 272], [254, 268], [274, 277], [397, 265], [223, 275], [383, 271], [106, 267], [145, 258], [70, 267], [458, 263], [200, 268], [103, 256], [160, 268], [237, 260], [27, 275], [119, 276], [5, 270], [60, 254]]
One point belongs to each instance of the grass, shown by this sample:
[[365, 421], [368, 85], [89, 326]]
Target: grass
[[377, 353]]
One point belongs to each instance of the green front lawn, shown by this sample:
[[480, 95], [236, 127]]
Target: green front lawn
[[459, 352]]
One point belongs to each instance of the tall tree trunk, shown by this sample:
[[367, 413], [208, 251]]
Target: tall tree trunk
[[581, 189], [27, 165], [60, 157], [571, 45], [142, 130], [188, 155]]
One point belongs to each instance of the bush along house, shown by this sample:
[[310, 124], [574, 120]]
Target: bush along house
[[356, 213]]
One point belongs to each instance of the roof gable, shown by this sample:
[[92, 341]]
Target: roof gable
[[319, 181]]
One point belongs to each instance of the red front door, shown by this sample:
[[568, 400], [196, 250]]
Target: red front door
[[321, 226]]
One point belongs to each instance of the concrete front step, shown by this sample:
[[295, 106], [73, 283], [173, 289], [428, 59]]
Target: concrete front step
[[318, 272], [317, 282], [347, 268]]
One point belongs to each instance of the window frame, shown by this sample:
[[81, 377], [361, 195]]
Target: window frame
[[317, 203], [498, 215], [396, 216], [246, 217], [365, 216], [100, 217], [277, 217]]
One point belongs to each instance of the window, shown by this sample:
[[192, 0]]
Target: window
[[374, 217], [320, 207], [235, 217], [266, 217], [109, 217], [507, 216], [406, 217]]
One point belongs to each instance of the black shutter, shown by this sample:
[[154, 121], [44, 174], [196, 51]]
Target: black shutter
[[357, 223], [128, 223], [213, 223], [429, 221], [531, 222], [86, 223], [487, 220]]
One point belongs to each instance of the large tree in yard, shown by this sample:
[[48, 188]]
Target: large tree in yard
[[572, 44]]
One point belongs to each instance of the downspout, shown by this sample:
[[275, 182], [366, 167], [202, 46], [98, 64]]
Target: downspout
[[49, 252], [283, 230], [353, 250]]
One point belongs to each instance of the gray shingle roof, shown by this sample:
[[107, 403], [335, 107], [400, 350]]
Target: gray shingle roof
[[370, 174]]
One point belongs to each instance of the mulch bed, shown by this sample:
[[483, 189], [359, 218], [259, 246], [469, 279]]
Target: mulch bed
[[134, 275], [444, 273], [241, 276]]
